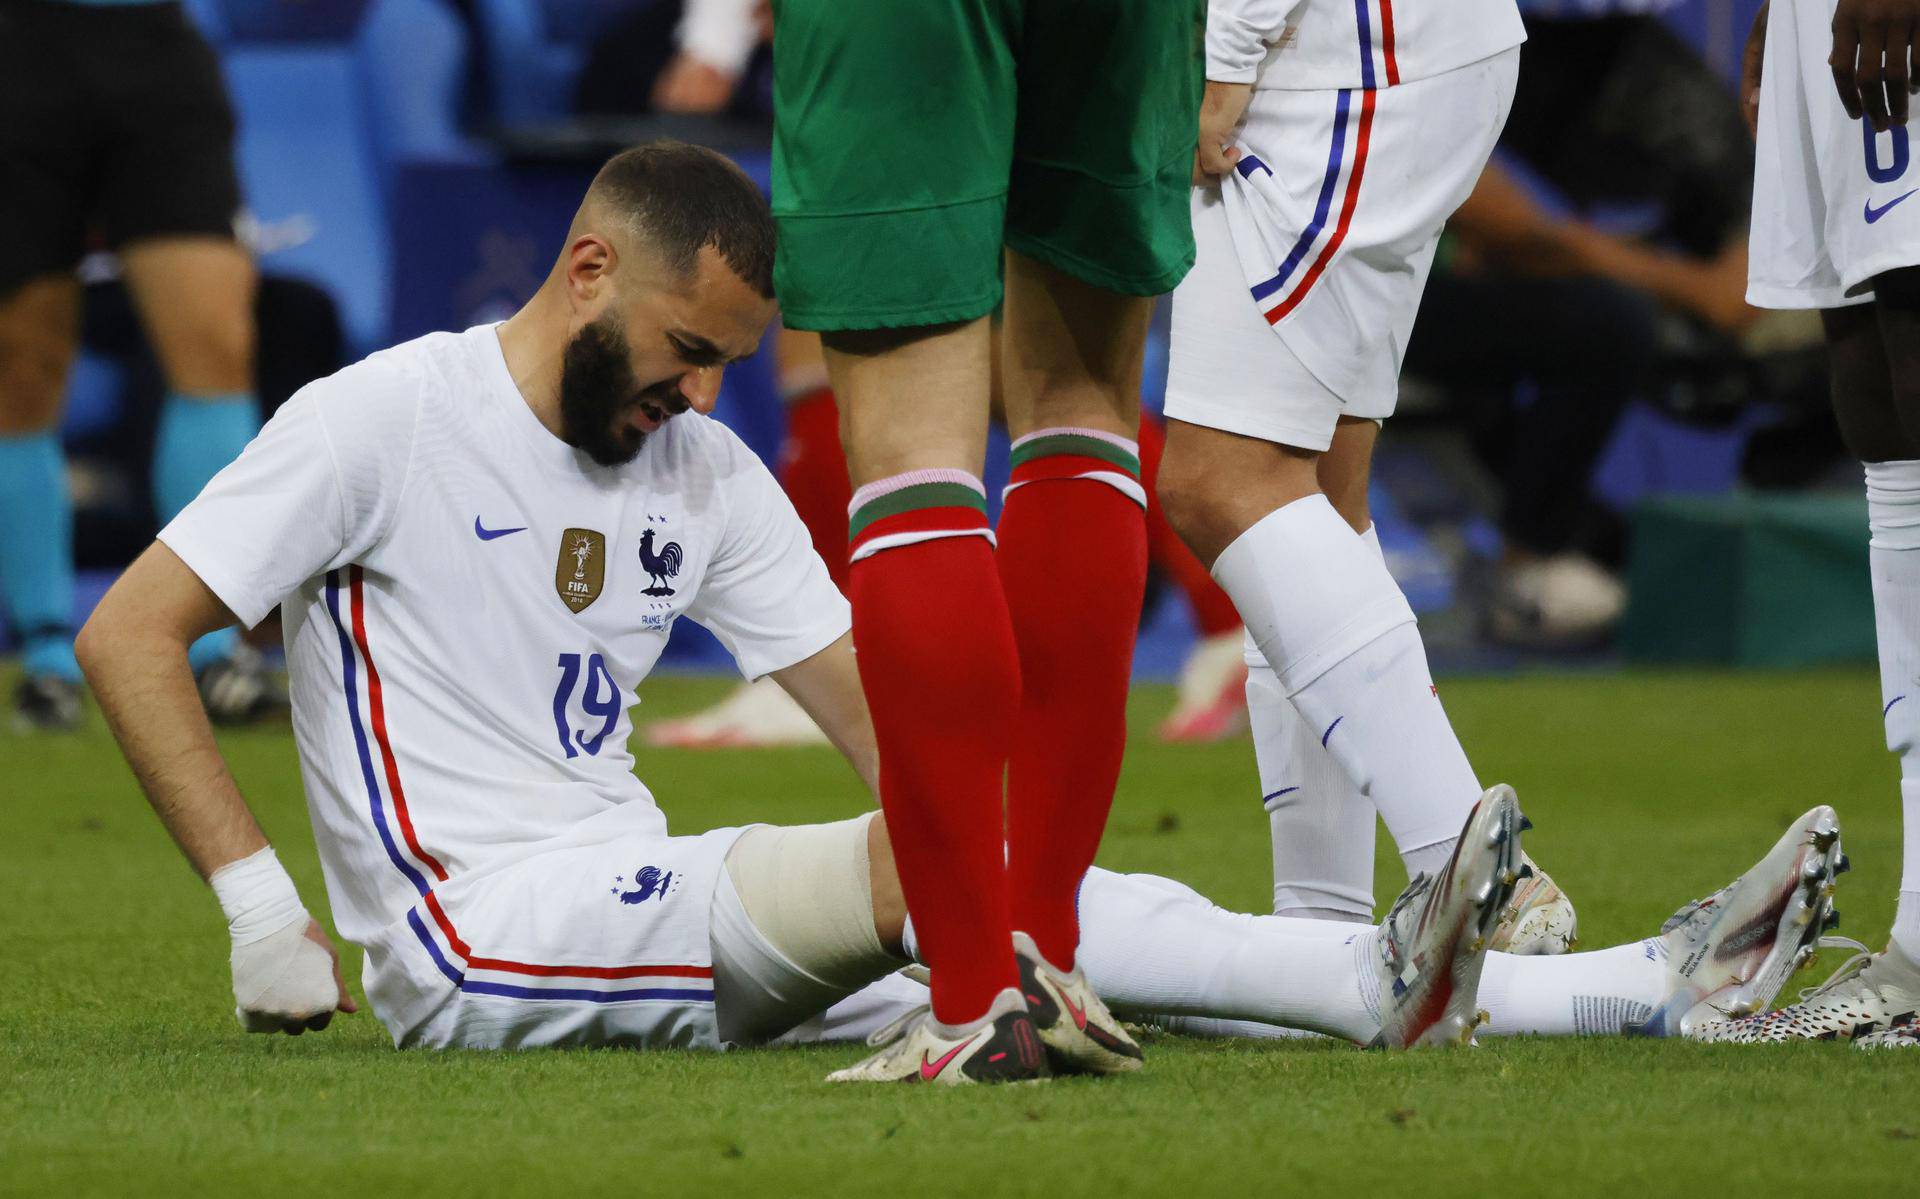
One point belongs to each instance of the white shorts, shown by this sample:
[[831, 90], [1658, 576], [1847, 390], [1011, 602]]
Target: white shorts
[[1324, 237], [1830, 197], [604, 944]]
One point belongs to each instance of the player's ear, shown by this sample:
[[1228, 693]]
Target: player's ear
[[590, 263]]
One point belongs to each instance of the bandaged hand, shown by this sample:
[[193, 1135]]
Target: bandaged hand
[[286, 975]]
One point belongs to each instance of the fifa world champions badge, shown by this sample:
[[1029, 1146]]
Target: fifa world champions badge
[[581, 571]]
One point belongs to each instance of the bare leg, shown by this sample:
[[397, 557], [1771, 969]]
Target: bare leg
[[39, 329]]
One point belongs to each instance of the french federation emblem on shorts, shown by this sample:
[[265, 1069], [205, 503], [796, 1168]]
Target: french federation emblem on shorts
[[582, 568], [649, 882]]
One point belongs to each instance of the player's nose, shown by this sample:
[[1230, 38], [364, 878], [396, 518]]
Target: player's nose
[[702, 388]]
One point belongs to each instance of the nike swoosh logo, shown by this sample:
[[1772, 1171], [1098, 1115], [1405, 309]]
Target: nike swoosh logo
[[1873, 214], [486, 534], [1079, 1014], [930, 1070]]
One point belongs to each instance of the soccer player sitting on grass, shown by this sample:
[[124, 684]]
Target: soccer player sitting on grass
[[480, 542]]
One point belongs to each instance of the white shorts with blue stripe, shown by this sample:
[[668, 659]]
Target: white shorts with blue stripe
[[1834, 203], [1312, 257], [597, 944]]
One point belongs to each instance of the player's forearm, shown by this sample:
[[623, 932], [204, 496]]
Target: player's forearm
[[827, 686], [146, 690]]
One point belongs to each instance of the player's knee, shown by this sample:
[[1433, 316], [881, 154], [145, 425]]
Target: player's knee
[[33, 381], [1190, 495], [213, 355]]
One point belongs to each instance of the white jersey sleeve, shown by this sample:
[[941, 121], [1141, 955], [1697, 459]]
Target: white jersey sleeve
[[1240, 32], [767, 595], [719, 33], [315, 490]]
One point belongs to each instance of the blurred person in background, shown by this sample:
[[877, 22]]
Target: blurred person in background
[[1542, 323], [115, 126]]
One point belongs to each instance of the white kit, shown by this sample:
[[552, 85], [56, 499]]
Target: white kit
[[469, 605]]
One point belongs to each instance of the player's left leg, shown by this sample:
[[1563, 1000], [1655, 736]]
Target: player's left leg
[[195, 299], [1875, 378], [168, 199], [1073, 561]]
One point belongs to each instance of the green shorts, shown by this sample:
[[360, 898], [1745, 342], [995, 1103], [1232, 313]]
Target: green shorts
[[914, 138]]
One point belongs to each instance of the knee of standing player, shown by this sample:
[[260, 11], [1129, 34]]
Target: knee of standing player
[[214, 354], [33, 382], [1200, 503]]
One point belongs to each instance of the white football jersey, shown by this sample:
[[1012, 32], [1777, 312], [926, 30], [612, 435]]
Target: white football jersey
[[1323, 45], [469, 604]]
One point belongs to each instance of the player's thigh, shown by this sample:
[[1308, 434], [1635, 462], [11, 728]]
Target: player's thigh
[[39, 332], [45, 171], [168, 196], [893, 131], [796, 924], [1346, 469], [912, 399], [1896, 305], [195, 299], [1861, 382], [1070, 353], [1109, 110], [603, 944]]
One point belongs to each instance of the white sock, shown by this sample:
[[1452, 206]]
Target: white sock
[[1576, 994], [1322, 827], [1151, 945], [1893, 518], [1341, 639]]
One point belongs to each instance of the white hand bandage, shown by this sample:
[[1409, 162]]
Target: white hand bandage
[[282, 980]]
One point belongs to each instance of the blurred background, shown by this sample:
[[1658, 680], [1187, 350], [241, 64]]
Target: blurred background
[[1602, 454]]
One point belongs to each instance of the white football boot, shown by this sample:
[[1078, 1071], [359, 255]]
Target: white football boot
[[1728, 955], [756, 715], [1899, 1036], [1001, 1046], [1434, 941], [1869, 994], [1539, 919], [1080, 1034]]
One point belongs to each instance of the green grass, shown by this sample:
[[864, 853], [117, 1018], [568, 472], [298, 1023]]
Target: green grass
[[121, 1070]]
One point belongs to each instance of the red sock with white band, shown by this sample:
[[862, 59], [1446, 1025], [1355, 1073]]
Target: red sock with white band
[[937, 659], [1073, 561]]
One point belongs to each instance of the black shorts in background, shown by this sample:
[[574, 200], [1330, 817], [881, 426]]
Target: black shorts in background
[[114, 126]]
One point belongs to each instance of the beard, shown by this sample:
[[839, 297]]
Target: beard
[[599, 396]]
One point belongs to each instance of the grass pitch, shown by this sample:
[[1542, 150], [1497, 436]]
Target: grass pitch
[[122, 1071]]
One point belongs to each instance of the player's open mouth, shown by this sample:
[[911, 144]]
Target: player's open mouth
[[647, 417]]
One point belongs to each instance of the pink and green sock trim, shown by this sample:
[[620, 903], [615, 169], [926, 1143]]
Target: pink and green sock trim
[[1069, 453], [920, 505]]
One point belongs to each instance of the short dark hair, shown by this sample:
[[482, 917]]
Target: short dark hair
[[683, 197]]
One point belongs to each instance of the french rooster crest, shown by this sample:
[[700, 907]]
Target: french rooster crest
[[661, 566]]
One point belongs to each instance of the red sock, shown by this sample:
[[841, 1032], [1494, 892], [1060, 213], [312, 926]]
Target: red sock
[[937, 659], [1073, 560], [1213, 610], [813, 472]]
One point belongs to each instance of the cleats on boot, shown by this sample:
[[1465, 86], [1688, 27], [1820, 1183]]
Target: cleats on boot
[[1728, 955], [1870, 994], [1539, 920], [1433, 943]]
